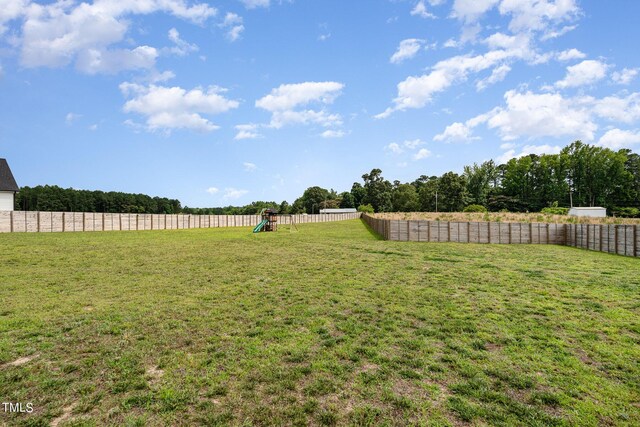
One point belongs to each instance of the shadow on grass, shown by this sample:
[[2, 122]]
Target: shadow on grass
[[371, 231]]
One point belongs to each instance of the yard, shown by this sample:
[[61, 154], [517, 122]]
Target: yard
[[325, 326]]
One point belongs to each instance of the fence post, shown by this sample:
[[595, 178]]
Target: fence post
[[547, 234], [635, 240], [11, 221]]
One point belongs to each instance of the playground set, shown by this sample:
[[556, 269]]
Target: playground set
[[270, 221]]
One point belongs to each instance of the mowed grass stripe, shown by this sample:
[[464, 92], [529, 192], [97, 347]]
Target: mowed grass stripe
[[329, 325]]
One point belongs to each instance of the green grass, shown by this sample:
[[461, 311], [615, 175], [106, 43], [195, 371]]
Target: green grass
[[326, 326]]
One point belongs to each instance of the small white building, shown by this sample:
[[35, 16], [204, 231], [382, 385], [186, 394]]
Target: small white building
[[338, 211], [8, 187], [594, 211]]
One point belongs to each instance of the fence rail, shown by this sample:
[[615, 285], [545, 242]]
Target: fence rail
[[616, 239], [46, 222]]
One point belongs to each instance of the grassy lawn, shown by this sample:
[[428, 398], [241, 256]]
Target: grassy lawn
[[325, 326]]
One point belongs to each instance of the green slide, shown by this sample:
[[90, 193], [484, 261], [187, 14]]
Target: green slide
[[259, 226]]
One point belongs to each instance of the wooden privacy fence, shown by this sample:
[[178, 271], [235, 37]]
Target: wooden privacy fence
[[28, 221], [617, 239]]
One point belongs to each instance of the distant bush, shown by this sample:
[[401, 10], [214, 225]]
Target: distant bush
[[626, 212], [555, 211], [365, 209], [475, 208]]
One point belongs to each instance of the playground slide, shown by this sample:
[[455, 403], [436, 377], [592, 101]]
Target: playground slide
[[260, 226]]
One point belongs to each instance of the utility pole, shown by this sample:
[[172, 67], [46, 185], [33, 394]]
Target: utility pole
[[436, 201]]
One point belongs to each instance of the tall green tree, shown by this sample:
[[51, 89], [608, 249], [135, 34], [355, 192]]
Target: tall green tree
[[481, 179], [358, 192], [377, 191], [452, 192], [428, 195], [346, 200], [313, 198], [404, 198], [595, 174]]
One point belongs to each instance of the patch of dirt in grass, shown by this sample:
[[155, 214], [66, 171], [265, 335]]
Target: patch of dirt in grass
[[21, 360], [491, 347], [367, 367], [154, 374], [585, 358], [66, 413]]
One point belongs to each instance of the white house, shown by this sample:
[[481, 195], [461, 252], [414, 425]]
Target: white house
[[8, 187], [593, 211]]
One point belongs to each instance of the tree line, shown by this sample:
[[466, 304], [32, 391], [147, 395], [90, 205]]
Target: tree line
[[580, 175], [56, 199]]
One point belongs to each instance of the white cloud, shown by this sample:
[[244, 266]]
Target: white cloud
[[289, 96], [283, 103], [248, 131], [71, 117], [329, 133], [249, 167], [93, 127], [422, 154], [212, 190], [231, 193], [625, 76], [11, 10], [538, 115], [421, 10], [394, 148], [553, 34], [252, 4], [416, 92], [407, 49], [616, 139], [63, 32], [413, 143], [156, 77], [181, 48], [497, 75], [586, 72], [526, 150], [613, 108], [471, 10], [537, 15], [93, 61], [455, 132], [568, 55], [533, 115], [233, 24], [505, 41], [167, 108]]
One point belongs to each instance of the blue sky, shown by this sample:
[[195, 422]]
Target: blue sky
[[218, 103]]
